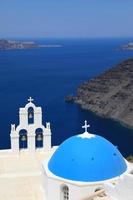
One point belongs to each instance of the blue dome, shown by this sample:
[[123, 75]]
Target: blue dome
[[87, 160]]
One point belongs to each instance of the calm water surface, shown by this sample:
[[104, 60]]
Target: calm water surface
[[48, 75]]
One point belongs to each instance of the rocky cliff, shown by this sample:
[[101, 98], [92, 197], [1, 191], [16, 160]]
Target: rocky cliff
[[110, 94]]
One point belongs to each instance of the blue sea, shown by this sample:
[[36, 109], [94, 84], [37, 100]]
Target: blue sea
[[48, 75]]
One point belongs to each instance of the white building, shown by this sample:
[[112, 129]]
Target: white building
[[84, 167], [30, 130]]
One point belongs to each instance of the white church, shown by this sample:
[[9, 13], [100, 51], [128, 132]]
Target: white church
[[83, 167]]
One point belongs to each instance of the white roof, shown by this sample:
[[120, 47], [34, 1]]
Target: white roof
[[20, 176], [122, 190]]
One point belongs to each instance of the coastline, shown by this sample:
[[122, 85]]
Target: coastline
[[105, 117], [109, 95]]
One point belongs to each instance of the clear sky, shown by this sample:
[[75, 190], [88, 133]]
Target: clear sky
[[66, 18]]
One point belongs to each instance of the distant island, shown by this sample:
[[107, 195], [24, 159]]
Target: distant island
[[110, 94], [15, 44], [128, 46]]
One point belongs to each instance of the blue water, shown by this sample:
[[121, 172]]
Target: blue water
[[48, 75]]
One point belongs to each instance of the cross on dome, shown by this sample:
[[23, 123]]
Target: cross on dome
[[86, 134], [86, 126], [30, 99]]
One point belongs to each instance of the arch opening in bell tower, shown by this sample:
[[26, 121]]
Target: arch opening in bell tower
[[23, 143], [30, 115], [39, 138]]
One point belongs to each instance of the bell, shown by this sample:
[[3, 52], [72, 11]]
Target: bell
[[23, 138], [30, 115], [39, 138]]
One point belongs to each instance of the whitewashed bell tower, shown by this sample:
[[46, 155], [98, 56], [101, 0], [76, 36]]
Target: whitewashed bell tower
[[30, 134]]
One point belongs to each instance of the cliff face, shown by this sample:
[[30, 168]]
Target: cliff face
[[110, 94]]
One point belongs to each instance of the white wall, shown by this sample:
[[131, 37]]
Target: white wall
[[53, 187]]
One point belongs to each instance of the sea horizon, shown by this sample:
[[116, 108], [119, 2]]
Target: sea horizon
[[60, 39]]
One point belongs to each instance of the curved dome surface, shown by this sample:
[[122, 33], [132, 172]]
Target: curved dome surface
[[87, 160]]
